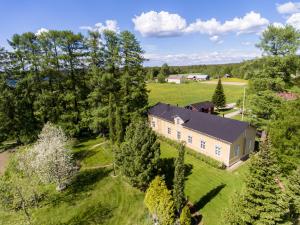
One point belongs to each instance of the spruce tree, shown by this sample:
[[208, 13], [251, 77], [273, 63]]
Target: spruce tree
[[158, 200], [294, 193], [219, 98], [262, 201], [178, 189], [185, 216], [139, 154]]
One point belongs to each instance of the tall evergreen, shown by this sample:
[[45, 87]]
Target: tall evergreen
[[119, 126], [218, 97], [111, 119], [178, 189], [262, 201], [139, 154], [294, 193], [185, 216]]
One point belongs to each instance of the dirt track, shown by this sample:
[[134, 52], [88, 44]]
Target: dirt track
[[226, 83]]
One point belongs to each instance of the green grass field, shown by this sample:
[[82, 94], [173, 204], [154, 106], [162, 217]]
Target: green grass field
[[183, 94], [96, 197]]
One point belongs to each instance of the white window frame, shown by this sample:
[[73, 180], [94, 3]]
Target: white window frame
[[178, 121], [202, 144], [169, 130], [178, 135], [190, 139], [236, 150], [153, 123], [218, 150]]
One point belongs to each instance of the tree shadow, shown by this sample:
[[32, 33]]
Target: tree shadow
[[207, 198], [167, 168], [86, 178], [83, 153], [81, 184], [92, 215]]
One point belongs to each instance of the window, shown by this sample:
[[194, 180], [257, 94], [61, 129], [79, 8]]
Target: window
[[237, 150], [178, 135], [217, 150], [178, 121], [202, 144], [169, 130], [153, 124], [190, 139]]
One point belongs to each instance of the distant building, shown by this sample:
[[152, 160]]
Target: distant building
[[227, 75], [198, 77], [178, 79], [223, 139], [207, 107]]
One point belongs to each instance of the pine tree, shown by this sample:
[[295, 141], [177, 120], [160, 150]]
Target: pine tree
[[111, 119], [139, 154], [158, 200], [262, 201], [119, 127], [219, 98], [178, 188], [185, 216]]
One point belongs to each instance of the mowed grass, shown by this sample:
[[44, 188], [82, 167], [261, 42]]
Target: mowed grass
[[183, 94], [232, 79], [210, 189], [94, 197]]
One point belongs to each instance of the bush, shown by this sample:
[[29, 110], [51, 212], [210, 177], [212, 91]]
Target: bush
[[210, 161]]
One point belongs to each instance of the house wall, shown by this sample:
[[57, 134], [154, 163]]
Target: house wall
[[227, 149], [177, 81]]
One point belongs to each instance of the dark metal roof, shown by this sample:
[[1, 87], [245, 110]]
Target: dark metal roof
[[202, 105], [223, 128]]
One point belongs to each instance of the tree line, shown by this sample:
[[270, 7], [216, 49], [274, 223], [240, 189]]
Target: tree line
[[67, 78]]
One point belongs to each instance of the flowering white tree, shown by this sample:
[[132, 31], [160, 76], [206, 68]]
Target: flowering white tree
[[52, 160]]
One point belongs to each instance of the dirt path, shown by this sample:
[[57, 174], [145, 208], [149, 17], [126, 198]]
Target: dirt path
[[97, 145], [4, 156], [232, 114], [226, 83]]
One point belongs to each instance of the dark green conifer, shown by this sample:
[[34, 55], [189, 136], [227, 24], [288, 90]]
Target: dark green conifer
[[219, 98]]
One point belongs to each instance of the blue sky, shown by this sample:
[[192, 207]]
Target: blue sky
[[179, 32]]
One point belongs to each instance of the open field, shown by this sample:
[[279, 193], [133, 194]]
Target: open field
[[183, 94], [95, 197]]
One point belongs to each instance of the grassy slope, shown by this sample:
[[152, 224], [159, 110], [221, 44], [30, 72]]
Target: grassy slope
[[204, 182], [97, 196], [183, 94]]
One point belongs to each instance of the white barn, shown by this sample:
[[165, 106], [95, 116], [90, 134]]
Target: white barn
[[198, 77]]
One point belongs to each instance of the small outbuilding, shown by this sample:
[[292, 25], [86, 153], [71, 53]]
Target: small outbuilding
[[178, 79], [227, 75], [206, 107]]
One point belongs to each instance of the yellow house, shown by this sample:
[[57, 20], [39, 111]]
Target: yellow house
[[223, 139]]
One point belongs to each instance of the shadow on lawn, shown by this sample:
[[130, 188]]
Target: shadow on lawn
[[167, 167], [84, 153], [95, 214], [207, 198], [82, 183]]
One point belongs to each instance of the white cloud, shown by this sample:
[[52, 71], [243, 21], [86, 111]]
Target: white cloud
[[288, 7], [252, 22], [160, 24], [294, 20], [41, 30], [218, 57], [100, 27], [216, 39]]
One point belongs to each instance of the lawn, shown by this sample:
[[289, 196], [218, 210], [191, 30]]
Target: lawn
[[232, 79], [183, 94], [96, 197], [208, 188]]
